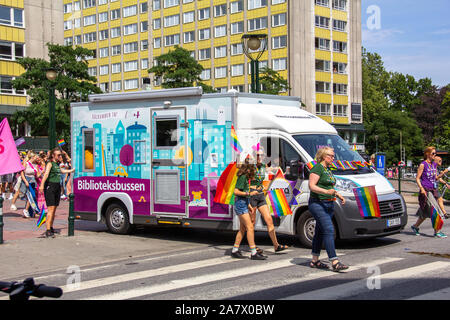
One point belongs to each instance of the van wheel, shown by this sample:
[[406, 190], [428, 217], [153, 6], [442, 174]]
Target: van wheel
[[306, 225], [117, 219]]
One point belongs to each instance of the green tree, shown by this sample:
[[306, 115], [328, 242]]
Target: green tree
[[73, 84], [272, 82], [178, 69], [443, 132]]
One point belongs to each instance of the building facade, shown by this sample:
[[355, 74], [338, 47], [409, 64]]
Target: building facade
[[25, 28], [314, 44]]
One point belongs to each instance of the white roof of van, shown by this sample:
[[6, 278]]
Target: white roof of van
[[290, 119]]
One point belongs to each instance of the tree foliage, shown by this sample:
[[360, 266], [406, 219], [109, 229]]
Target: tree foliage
[[73, 84], [272, 82], [178, 69]]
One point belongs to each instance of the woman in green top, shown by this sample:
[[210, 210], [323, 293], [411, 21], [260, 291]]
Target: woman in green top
[[51, 184], [258, 201], [321, 206], [242, 193]]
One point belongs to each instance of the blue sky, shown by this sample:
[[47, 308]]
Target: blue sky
[[413, 36]]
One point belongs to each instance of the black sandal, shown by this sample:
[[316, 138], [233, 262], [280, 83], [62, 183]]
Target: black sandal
[[339, 267], [281, 248], [318, 265], [260, 251]]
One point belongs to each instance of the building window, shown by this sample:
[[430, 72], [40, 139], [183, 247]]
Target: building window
[[116, 68], [189, 17], [171, 40], [322, 22], [116, 50], [131, 84], [236, 49], [90, 37], [279, 42], [255, 4], [340, 5], [103, 52], [237, 6], [220, 31], [144, 26], [279, 20], [144, 45], [115, 32], [322, 44], [274, 2], [143, 7], [115, 14], [102, 17], [204, 34], [130, 47], [130, 11], [323, 3], [220, 52], [171, 3], [89, 20], [11, 50], [116, 85], [144, 63], [104, 86], [340, 110], [157, 43], [237, 70], [103, 35], [130, 65], [220, 72], [339, 67], [279, 64], [171, 21], [156, 24], [156, 4], [204, 54], [323, 65], [340, 25], [257, 24], [323, 109], [237, 27], [220, 10], [339, 46], [88, 4], [130, 29], [189, 36], [339, 88], [323, 87], [104, 70], [206, 74], [204, 14]]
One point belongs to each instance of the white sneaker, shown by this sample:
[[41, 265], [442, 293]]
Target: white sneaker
[[13, 208], [10, 196], [26, 214], [4, 196]]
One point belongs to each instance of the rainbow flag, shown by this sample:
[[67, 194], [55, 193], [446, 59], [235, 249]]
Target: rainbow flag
[[234, 141], [359, 164], [278, 203], [367, 200], [311, 164], [226, 184], [340, 165], [42, 218], [61, 142], [436, 220], [349, 165], [333, 166]]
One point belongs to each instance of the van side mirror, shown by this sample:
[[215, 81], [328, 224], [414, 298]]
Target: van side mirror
[[293, 170]]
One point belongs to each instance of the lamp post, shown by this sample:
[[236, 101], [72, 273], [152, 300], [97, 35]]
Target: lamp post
[[376, 143], [251, 43], [51, 76]]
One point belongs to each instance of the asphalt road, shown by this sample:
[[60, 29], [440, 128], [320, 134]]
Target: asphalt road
[[198, 267]]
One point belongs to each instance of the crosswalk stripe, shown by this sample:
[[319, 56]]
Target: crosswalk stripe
[[355, 287], [83, 285], [193, 281], [443, 294]]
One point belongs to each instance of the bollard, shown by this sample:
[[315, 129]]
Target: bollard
[[1, 219], [71, 216]]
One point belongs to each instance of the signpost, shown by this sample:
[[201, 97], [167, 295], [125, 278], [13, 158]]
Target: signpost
[[380, 162]]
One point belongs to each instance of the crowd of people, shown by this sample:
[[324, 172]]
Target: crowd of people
[[48, 175]]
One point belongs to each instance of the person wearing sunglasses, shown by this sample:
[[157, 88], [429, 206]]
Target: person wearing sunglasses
[[321, 206], [426, 179], [51, 187]]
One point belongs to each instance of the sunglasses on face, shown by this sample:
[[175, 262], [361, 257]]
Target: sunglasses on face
[[433, 153], [330, 155]]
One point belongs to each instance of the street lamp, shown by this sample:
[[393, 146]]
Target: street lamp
[[51, 75], [376, 141], [252, 43]]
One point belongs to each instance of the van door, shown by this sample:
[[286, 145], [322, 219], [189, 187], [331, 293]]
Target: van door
[[169, 171]]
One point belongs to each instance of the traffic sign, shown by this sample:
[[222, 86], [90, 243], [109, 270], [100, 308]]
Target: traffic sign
[[380, 160]]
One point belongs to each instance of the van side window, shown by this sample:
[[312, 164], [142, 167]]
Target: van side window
[[88, 147], [166, 132], [279, 152]]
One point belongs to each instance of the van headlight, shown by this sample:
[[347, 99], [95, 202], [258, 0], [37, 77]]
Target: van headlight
[[344, 185]]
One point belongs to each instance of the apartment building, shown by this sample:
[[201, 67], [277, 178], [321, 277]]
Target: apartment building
[[25, 28], [314, 44]]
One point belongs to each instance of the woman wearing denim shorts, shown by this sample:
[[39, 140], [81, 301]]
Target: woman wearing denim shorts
[[242, 194], [321, 206]]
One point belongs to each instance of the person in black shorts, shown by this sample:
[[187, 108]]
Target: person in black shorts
[[51, 184], [258, 201]]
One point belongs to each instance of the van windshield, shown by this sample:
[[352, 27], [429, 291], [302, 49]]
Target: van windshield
[[313, 142]]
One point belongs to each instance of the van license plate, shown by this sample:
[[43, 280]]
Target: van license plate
[[393, 222]]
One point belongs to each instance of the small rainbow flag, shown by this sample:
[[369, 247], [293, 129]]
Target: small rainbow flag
[[42, 218], [226, 184], [367, 200], [61, 142], [278, 203], [340, 165], [436, 220], [359, 164], [349, 165], [333, 166], [234, 141], [311, 164]]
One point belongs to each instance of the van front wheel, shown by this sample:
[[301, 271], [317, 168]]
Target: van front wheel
[[117, 219], [306, 226]]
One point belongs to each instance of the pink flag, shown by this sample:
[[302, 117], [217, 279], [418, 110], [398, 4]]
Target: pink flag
[[9, 158]]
